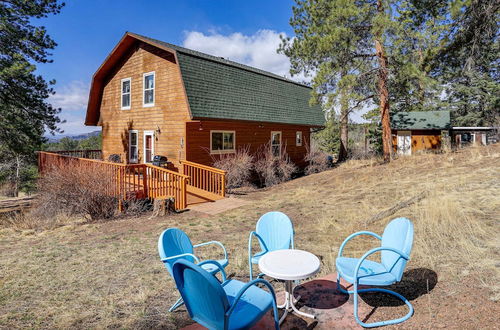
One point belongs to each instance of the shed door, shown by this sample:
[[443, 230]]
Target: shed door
[[404, 143]]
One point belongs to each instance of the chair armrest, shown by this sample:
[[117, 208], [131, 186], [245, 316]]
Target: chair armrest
[[372, 251], [369, 233], [216, 243], [221, 269], [245, 288], [252, 234], [180, 256]]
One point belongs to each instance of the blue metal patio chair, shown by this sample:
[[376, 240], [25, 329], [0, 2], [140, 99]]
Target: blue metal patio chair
[[274, 231], [174, 245], [228, 305], [396, 245]]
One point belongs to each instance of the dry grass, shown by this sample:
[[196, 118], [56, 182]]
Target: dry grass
[[108, 274]]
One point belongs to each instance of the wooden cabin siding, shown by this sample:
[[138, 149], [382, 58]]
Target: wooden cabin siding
[[420, 140], [253, 134], [425, 140], [169, 113]]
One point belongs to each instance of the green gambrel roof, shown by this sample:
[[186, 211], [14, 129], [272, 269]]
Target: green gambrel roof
[[421, 120], [222, 89]]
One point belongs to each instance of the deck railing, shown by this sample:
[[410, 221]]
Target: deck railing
[[88, 154], [204, 177], [126, 181]]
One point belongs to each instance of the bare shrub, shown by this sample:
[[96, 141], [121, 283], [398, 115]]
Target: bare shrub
[[316, 159], [273, 169], [76, 189], [238, 167]]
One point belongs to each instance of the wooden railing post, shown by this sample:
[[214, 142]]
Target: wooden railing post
[[145, 181]]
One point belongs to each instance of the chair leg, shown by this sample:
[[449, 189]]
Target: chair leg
[[177, 304], [381, 323], [250, 266]]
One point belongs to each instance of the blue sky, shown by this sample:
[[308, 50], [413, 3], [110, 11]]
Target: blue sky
[[87, 30]]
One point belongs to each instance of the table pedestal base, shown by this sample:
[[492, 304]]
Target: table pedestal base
[[289, 304]]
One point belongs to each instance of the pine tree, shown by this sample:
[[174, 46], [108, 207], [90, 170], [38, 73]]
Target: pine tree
[[355, 51], [25, 113], [24, 110]]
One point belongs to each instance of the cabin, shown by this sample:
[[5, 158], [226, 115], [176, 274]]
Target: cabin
[[155, 98], [462, 136], [419, 131]]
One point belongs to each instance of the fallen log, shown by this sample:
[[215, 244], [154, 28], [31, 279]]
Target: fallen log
[[397, 207], [16, 204]]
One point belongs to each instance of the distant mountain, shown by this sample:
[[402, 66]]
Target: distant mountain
[[74, 137]]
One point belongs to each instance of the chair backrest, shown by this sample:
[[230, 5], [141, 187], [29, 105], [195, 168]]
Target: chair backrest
[[203, 295], [398, 234], [276, 229], [172, 242]]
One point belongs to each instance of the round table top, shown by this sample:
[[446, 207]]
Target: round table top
[[289, 264]]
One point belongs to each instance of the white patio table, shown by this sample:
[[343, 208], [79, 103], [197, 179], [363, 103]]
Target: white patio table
[[289, 265]]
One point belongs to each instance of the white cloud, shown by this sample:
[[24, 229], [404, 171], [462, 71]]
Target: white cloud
[[257, 50], [73, 96]]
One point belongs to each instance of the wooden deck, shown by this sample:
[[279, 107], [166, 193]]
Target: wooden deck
[[145, 181]]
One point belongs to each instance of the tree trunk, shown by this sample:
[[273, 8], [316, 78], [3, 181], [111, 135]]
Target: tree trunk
[[344, 122], [383, 92], [15, 187]]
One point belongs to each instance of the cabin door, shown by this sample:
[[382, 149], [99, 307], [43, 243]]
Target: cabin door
[[404, 143], [149, 138]]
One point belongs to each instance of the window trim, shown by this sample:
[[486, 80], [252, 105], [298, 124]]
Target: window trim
[[129, 79], [221, 152], [301, 139], [144, 75], [281, 142], [130, 160], [152, 133]]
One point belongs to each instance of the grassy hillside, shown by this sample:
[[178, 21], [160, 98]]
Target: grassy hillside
[[109, 274]]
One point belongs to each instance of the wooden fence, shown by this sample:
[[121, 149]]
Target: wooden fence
[[204, 177], [125, 181], [88, 154]]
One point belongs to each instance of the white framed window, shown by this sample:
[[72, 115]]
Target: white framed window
[[126, 86], [276, 143], [298, 138], [148, 89], [222, 142], [149, 146], [133, 143]]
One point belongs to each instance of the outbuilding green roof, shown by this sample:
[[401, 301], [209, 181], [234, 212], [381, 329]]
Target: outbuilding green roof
[[420, 120], [221, 89]]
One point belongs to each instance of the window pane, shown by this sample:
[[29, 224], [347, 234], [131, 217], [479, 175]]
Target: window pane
[[216, 141], [126, 100], [276, 138], [149, 82], [148, 97], [126, 86], [133, 152], [133, 139], [228, 141]]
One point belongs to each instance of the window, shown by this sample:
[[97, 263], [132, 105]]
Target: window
[[126, 84], [298, 139], [133, 141], [148, 97], [149, 149], [222, 142], [276, 143]]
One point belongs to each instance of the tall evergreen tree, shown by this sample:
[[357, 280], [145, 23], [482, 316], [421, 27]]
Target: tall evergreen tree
[[469, 65], [355, 52], [25, 113], [24, 110]]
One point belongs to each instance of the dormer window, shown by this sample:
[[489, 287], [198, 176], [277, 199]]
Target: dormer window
[[148, 95], [126, 83]]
